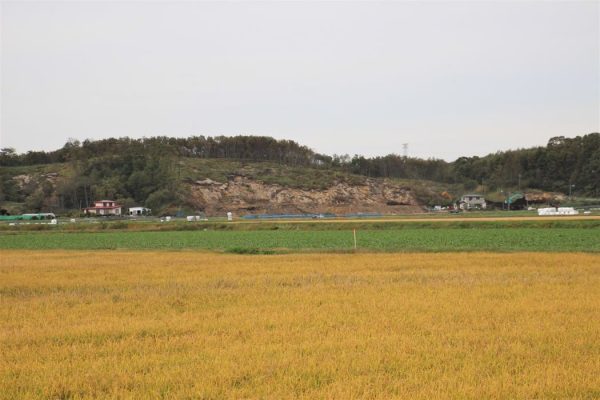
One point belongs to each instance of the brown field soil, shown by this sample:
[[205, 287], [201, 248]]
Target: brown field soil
[[142, 325]]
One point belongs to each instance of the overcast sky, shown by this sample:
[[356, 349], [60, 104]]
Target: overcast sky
[[448, 78]]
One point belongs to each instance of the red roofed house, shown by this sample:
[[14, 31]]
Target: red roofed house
[[104, 207]]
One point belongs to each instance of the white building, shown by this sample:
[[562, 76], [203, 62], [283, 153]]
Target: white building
[[566, 211], [547, 211], [139, 211], [557, 211], [472, 202]]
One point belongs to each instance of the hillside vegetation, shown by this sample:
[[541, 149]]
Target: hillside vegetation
[[161, 172]]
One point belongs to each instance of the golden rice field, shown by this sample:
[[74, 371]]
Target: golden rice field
[[192, 325]]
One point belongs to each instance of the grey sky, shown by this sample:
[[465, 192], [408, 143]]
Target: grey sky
[[450, 78]]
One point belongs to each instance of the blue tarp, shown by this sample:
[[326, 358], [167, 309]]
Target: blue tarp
[[288, 216], [363, 215]]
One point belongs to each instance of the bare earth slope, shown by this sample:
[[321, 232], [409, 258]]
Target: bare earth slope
[[243, 195]]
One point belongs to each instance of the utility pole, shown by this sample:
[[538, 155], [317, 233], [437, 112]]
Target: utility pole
[[570, 187]]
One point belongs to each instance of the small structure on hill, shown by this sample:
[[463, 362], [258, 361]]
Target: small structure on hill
[[472, 202], [104, 208]]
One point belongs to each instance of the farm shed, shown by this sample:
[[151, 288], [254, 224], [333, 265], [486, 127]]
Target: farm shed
[[139, 211], [28, 217], [472, 201]]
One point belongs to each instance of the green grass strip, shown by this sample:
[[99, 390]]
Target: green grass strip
[[249, 242]]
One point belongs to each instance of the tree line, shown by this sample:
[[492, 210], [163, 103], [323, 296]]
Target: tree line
[[562, 165], [252, 148]]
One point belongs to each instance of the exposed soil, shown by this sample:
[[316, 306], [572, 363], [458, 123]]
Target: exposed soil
[[244, 195]]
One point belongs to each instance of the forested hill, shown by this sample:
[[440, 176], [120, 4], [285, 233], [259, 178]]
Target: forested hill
[[562, 162], [148, 171]]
